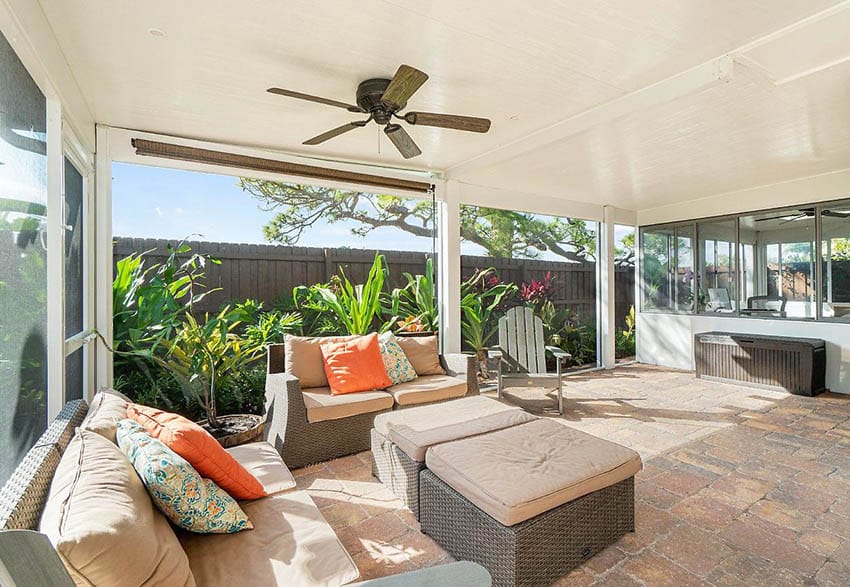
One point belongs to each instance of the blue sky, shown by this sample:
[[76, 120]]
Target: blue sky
[[156, 202]]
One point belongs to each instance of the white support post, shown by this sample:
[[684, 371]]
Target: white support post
[[607, 317], [103, 258], [55, 334], [448, 196]]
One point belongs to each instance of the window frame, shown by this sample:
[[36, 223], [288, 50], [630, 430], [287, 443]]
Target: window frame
[[674, 226], [818, 269]]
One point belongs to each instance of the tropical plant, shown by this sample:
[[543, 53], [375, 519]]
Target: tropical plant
[[356, 307], [416, 302], [481, 297], [150, 301], [205, 358], [625, 339]]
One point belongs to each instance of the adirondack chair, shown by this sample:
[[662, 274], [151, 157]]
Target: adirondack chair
[[522, 354]]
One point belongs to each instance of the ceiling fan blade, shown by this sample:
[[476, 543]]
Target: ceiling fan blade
[[335, 132], [772, 218], [318, 99], [468, 123], [402, 141], [404, 84], [794, 218]]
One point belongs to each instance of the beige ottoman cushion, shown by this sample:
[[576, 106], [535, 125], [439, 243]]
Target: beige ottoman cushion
[[520, 472], [427, 389], [264, 463], [416, 429], [322, 405], [291, 544]]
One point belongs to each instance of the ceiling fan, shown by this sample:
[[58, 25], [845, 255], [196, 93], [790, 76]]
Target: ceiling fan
[[805, 213], [382, 99]]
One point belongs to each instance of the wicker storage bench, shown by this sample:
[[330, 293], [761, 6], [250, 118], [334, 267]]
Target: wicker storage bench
[[400, 439], [530, 502]]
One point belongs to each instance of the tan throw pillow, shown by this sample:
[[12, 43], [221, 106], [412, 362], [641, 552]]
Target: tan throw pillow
[[303, 358], [103, 524], [423, 354], [107, 407]]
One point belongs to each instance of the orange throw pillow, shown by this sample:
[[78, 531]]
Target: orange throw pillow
[[198, 446], [355, 365]]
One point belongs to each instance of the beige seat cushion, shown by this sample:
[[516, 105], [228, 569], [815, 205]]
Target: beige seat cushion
[[427, 389], [416, 429], [303, 358], [104, 525], [423, 353], [321, 405], [107, 407], [415, 443], [264, 463], [291, 545], [520, 472]]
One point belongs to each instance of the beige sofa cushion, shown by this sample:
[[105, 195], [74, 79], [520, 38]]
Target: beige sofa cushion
[[103, 524], [423, 353], [264, 463], [321, 405], [428, 388], [291, 545], [303, 358], [107, 407], [418, 429], [520, 472]]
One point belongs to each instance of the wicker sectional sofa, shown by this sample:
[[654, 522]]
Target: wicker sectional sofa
[[291, 543], [307, 424]]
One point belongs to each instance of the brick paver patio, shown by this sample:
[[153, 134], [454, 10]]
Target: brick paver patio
[[741, 486]]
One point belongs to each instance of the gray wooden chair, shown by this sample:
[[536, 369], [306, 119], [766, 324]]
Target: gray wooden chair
[[522, 352]]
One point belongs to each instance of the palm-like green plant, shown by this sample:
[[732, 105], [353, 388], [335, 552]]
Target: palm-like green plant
[[417, 299], [356, 306], [479, 304], [204, 358]]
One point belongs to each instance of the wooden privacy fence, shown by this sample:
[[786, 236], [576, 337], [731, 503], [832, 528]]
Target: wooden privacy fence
[[268, 272]]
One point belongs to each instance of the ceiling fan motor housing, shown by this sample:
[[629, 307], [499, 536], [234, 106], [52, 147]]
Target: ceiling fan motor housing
[[369, 94]]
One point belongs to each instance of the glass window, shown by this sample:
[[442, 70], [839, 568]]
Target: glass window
[[718, 290], [548, 263], [74, 196], [835, 247], [23, 281], [781, 271], [667, 268]]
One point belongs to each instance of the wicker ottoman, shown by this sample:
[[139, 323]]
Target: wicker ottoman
[[400, 439], [530, 502]]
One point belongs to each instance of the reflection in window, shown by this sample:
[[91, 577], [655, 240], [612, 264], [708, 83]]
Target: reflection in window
[[835, 247], [667, 275], [718, 290], [23, 256], [780, 275]]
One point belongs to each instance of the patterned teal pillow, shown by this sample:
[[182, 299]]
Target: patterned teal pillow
[[396, 362], [187, 499]]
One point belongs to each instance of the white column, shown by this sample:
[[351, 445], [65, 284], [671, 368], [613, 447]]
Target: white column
[[55, 237], [103, 258], [448, 195], [607, 317]]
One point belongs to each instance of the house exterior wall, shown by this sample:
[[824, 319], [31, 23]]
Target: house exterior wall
[[667, 339]]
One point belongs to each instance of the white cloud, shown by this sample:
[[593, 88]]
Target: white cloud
[[158, 211]]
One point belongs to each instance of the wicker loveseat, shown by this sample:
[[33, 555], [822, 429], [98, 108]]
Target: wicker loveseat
[[306, 424]]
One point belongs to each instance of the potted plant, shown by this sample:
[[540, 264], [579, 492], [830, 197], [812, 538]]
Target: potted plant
[[205, 359], [414, 308]]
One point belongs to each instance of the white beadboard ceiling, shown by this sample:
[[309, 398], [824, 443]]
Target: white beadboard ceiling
[[526, 66]]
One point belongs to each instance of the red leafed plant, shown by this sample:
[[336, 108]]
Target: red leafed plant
[[537, 291]]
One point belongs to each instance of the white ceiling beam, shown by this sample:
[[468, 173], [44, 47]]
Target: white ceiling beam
[[708, 74]]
